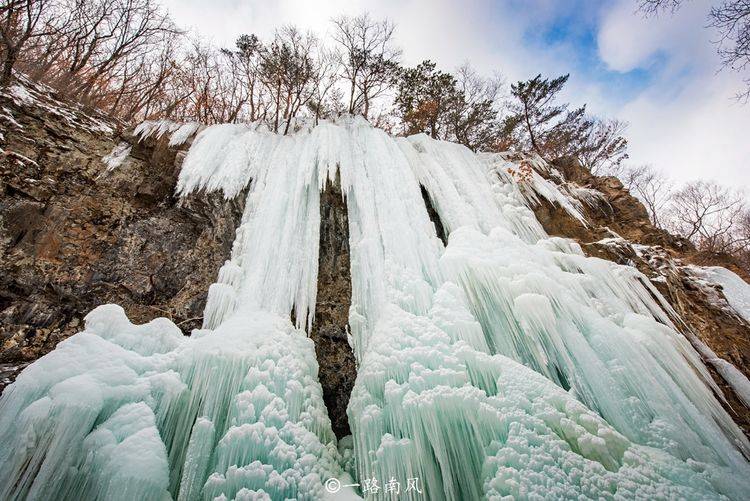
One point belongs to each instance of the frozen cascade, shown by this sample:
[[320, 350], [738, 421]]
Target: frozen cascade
[[237, 408], [505, 363]]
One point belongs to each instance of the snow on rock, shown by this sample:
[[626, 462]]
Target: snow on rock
[[37, 95], [503, 364], [524, 175], [7, 116], [736, 291], [117, 156], [666, 267]]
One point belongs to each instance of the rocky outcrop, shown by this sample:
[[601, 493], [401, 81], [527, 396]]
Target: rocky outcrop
[[337, 367], [622, 215], [618, 214], [74, 235]]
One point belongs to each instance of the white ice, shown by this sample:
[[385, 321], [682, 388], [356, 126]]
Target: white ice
[[736, 291], [117, 156], [505, 363]]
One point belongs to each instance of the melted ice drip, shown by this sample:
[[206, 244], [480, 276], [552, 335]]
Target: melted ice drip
[[506, 363]]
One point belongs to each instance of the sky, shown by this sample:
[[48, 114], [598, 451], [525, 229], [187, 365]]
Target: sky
[[660, 74]]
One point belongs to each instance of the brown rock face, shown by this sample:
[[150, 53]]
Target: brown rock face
[[337, 367], [663, 258], [622, 213], [74, 236], [625, 215]]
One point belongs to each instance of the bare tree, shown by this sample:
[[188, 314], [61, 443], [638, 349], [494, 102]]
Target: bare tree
[[19, 23], [474, 121], [732, 20], [651, 187], [127, 57], [655, 6], [215, 94], [133, 27], [247, 55], [709, 215], [326, 100], [369, 60], [146, 85], [743, 236], [290, 70], [110, 54], [291, 76], [604, 147]]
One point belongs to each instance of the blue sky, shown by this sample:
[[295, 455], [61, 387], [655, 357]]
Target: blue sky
[[575, 29], [658, 74]]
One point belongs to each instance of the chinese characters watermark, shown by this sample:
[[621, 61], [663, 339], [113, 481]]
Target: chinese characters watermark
[[391, 487]]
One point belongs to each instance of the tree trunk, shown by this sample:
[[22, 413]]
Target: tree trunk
[[530, 129], [351, 98], [10, 61]]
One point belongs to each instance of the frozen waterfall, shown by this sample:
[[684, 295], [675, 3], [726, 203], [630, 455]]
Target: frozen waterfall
[[503, 364]]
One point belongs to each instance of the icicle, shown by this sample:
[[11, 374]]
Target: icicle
[[505, 363], [117, 156], [183, 133], [197, 460], [155, 129], [231, 274], [221, 302]]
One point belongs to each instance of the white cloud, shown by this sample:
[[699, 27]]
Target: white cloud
[[686, 121], [703, 133], [627, 40], [443, 30]]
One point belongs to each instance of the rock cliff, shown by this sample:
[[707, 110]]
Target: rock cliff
[[74, 235]]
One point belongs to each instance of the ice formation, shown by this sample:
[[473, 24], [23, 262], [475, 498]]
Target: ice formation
[[117, 156], [736, 291], [178, 132], [503, 364]]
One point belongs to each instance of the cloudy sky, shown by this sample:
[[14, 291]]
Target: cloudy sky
[[661, 75]]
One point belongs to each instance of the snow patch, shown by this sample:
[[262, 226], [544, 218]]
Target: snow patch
[[117, 156], [736, 290]]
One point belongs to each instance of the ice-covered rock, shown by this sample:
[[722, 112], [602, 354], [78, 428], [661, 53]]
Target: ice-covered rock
[[505, 363]]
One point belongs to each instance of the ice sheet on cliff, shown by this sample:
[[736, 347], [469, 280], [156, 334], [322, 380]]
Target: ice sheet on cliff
[[735, 290], [506, 363]]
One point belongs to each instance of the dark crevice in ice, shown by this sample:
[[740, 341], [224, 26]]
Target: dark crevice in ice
[[434, 216], [329, 330]]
